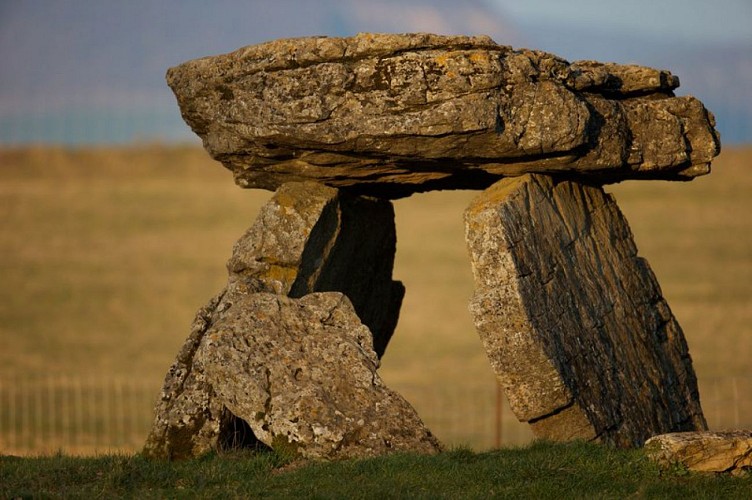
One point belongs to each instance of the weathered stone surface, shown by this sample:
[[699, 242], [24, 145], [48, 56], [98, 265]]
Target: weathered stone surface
[[572, 319], [302, 374], [188, 420], [725, 451], [307, 238], [313, 238], [390, 115]]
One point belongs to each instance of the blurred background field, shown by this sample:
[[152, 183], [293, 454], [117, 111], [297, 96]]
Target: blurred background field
[[107, 252], [114, 231]]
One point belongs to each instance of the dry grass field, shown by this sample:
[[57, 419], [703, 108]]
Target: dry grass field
[[107, 253]]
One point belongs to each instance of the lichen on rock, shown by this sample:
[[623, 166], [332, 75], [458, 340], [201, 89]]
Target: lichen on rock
[[302, 372], [389, 115], [572, 319], [307, 238]]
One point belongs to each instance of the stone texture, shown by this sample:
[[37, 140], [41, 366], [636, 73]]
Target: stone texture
[[573, 319], [307, 238], [313, 238], [725, 451], [302, 374], [390, 115], [188, 420]]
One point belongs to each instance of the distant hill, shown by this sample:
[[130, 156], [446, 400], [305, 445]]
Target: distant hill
[[88, 71]]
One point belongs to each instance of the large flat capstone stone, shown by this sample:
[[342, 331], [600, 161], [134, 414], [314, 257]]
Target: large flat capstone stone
[[571, 317], [389, 115]]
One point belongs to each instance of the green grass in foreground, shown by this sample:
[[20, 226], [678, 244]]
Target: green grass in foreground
[[539, 471]]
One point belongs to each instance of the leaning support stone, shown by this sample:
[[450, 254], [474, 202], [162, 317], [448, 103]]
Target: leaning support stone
[[307, 238], [573, 321]]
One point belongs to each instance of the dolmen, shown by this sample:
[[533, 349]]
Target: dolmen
[[572, 318]]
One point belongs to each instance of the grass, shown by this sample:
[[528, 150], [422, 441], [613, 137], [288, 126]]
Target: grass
[[107, 253], [542, 470]]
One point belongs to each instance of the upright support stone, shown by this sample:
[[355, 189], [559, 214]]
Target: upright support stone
[[307, 238], [573, 321], [313, 238]]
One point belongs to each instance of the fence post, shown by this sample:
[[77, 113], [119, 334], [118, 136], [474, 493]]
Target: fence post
[[735, 388], [52, 413], [119, 404], [136, 391], [39, 431], [4, 417], [65, 404], [78, 409], [499, 416], [12, 411], [716, 391]]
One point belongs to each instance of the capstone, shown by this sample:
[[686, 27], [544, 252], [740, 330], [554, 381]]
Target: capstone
[[389, 115]]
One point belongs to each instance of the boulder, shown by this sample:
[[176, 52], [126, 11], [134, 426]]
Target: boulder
[[724, 451], [389, 115], [189, 421], [313, 238], [307, 238], [571, 317], [302, 374]]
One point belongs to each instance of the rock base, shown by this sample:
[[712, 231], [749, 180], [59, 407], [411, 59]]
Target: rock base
[[308, 238], [725, 451], [302, 374]]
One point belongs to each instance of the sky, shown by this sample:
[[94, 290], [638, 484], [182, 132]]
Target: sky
[[92, 71], [692, 21]]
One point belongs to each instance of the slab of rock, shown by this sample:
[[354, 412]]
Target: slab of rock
[[302, 374], [572, 319], [314, 238], [390, 115], [725, 451], [307, 238]]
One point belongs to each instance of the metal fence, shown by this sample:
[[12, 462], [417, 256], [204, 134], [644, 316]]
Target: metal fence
[[87, 415], [74, 415]]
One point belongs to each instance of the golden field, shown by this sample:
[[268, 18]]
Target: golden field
[[108, 252]]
